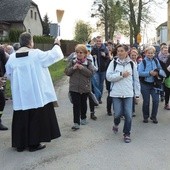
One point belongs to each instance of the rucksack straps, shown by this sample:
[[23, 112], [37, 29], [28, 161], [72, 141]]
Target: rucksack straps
[[131, 63]]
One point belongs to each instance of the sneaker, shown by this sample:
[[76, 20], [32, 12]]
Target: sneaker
[[100, 102], [83, 122], [2, 127], [109, 113], [162, 98], [133, 114], [92, 116], [145, 120], [127, 139], [167, 107], [76, 126], [115, 129], [154, 120]]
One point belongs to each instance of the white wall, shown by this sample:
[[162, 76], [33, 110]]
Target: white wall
[[33, 25]]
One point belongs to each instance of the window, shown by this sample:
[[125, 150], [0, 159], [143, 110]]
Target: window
[[31, 14], [35, 15]]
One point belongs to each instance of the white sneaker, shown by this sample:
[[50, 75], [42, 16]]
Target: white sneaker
[[76, 126], [83, 122]]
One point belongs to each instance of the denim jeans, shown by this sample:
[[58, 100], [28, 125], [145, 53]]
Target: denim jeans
[[100, 77], [146, 91], [123, 106], [95, 88]]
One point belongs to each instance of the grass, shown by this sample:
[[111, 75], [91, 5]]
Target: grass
[[56, 71]]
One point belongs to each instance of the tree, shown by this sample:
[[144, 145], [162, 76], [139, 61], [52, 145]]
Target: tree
[[138, 12], [109, 13], [82, 32], [46, 25]]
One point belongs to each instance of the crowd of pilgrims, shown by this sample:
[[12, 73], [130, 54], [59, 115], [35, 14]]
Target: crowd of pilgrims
[[128, 74]]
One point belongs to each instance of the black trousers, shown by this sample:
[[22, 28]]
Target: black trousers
[[109, 103], [2, 102], [167, 94], [79, 106]]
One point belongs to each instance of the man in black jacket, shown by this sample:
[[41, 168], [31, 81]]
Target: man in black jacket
[[101, 52]]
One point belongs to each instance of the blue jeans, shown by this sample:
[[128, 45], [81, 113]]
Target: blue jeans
[[100, 77], [146, 91], [95, 88], [123, 106]]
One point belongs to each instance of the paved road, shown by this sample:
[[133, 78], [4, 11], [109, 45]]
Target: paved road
[[94, 146]]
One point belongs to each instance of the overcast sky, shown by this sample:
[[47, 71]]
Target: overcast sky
[[80, 9], [73, 11]]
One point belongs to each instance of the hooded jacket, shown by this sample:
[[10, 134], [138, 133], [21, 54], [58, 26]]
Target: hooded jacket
[[123, 86]]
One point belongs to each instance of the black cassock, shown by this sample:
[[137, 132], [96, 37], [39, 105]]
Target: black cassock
[[33, 126]]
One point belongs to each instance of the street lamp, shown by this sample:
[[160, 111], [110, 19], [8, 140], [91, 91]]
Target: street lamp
[[59, 14]]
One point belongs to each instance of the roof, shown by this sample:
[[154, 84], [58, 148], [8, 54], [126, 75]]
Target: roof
[[162, 25], [15, 10]]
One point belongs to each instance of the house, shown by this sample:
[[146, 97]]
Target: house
[[162, 32], [21, 15]]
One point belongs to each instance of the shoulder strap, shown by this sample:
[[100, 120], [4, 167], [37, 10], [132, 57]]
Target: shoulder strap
[[131, 63], [144, 64], [156, 61], [114, 64]]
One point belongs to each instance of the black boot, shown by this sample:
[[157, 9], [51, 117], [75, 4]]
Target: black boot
[[2, 127], [92, 116]]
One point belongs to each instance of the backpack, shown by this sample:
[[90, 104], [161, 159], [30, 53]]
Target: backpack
[[157, 80], [142, 79], [114, 66], [131, 63]]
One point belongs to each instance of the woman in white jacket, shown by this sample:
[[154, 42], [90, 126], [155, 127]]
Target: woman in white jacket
[[123, 75]]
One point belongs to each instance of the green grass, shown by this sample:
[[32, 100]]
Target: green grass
[[56, 71]]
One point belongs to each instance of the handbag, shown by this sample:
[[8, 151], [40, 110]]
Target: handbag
[[167, 82], [93, 99]]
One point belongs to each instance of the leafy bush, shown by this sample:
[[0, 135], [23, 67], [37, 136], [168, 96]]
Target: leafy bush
[[43, 39], [14, 35]]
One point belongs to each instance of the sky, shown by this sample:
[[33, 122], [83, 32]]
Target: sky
[[75, 10]]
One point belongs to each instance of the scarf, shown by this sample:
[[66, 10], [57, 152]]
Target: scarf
[[162, 57], [81, 61]]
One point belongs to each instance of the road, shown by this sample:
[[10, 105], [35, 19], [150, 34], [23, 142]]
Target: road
[[94, 146]]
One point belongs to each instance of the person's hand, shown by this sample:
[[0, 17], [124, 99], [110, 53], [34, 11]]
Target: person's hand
[[79, 66], [75, 66], [153, 73], [2, 81], [57, 41], [103, 54], [168, 68], [136, 100], [125, 74]]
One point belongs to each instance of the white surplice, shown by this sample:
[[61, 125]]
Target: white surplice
[[31, 82]]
